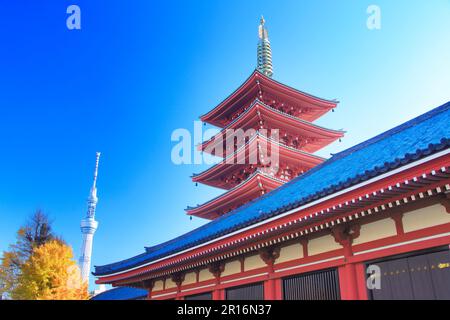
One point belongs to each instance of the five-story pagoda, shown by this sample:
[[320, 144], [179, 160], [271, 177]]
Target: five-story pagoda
[[266, 139]]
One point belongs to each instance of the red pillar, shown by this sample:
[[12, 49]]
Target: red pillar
[[278, 289], [216, 269], [269, 256], [272, 286], [218, 294], [361, 279], [348, 282], [269, 289]]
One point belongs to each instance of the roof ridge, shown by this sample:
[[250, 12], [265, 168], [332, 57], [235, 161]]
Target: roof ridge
[[366, 143], [396, 129]]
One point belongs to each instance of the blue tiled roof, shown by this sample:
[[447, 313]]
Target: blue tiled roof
[[408, 142], [121, 293]]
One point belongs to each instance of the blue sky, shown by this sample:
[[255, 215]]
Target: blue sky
[[138, 70]]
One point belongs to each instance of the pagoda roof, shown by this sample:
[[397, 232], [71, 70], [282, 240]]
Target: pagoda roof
[[259, 110], [424, 136], [250, 89], [247, 190], [230, 163]]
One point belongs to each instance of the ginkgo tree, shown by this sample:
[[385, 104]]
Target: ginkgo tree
[[51, 274], [34, 233], [40, 265]]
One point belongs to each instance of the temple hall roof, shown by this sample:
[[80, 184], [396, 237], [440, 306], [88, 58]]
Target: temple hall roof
[[413, 140], [121, 293]]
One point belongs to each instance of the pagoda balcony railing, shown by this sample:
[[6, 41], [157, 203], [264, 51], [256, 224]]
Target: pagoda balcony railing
[[257, 171], [271, 141], [243, 147], [304, 121], [257, 102], [300, 110]]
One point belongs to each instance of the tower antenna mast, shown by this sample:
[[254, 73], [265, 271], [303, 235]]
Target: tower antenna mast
[[89, 226]]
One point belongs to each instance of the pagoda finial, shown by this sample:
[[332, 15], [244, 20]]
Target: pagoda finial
[[264, 62]]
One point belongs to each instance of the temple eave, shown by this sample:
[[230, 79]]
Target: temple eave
[[256, 185], [261, 82], [230, 165], [285, 123]]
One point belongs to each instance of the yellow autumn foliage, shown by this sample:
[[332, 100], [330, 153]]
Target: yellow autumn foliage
[[8, 272], [51, 274]]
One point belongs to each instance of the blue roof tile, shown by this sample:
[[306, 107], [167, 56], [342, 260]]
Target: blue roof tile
[[121, 293], [410, 141]]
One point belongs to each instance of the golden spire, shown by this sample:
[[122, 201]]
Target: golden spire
[[264, 62]]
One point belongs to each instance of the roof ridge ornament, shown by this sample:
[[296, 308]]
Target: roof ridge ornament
[[264, 52]]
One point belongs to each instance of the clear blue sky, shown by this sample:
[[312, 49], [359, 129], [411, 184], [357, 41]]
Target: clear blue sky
[[138, 70]]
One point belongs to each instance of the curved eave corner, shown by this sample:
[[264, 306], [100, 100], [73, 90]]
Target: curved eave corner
[[202, 210], [257, 106], [256, 76]]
